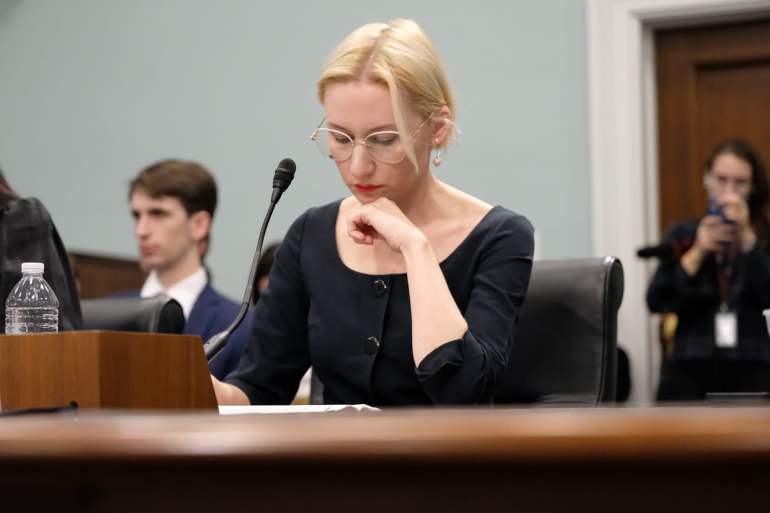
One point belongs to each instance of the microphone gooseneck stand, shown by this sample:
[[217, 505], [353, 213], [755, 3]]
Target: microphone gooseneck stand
[[283, 176]]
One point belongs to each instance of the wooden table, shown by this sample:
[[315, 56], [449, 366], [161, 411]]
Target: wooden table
[[594, 460]]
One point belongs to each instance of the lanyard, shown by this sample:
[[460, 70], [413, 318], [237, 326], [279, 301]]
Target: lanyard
[[724, 276]]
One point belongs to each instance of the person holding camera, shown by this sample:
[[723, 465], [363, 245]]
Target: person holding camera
[[720, 285]]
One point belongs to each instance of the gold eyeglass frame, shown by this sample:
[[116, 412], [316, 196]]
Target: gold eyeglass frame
[[321, 128]]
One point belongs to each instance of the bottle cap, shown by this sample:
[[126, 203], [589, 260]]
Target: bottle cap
[[32, 267]]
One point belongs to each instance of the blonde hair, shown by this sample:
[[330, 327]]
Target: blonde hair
[[400, 56]]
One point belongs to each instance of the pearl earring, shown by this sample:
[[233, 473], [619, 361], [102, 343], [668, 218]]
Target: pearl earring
[[437, 160]]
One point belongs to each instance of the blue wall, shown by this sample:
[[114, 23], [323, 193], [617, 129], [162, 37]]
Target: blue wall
[[93, 90]]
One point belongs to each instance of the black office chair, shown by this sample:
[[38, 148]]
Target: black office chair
[[565, 349], [159, 314]]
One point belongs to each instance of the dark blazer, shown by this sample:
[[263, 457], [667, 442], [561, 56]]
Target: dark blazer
[[355, 329], [697, 299], [27, 234], [212, 313]]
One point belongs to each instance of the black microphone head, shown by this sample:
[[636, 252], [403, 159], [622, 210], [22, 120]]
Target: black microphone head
[[284, 174], [663, 251]]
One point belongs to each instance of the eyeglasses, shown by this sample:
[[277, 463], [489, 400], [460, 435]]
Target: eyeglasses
[[720, 183], [385, 146]]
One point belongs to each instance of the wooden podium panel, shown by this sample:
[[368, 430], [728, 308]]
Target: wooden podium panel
[[104, 369]]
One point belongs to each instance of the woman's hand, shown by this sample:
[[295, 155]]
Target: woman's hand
[[228, 394], [384, 220], [736, 210], [712, 234]]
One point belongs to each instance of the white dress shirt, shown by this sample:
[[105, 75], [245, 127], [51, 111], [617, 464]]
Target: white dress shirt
[[186, 292]]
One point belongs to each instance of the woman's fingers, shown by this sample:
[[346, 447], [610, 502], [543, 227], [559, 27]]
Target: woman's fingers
[[363, 234], [711, 221], [725, 232], [713, 233], [360, 228], [735, 209], [380, 219]]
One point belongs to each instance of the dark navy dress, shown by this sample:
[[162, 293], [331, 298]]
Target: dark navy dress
[[355, 329]]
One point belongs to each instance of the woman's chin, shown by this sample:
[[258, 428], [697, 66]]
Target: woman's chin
[[367, 197]]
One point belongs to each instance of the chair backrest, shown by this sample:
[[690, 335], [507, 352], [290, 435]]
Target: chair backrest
[[565, 349], [159, 314]]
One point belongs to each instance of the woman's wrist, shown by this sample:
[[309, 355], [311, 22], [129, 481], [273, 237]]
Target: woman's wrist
[[418, 253], [416, 243], [692, 260]]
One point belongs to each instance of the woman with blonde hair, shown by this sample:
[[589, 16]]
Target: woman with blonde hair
[[406, 292]]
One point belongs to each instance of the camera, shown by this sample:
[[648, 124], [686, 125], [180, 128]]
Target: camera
[[717, 209]]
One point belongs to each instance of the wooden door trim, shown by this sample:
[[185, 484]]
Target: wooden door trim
[[623, 147]]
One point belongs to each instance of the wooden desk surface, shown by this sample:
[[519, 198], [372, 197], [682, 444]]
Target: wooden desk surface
[[654, 459], [491, 435]]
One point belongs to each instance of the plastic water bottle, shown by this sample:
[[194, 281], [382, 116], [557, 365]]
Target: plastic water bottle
[[32, 306]]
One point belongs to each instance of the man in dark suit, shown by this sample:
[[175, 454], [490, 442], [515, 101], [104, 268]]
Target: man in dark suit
[[173, 204]]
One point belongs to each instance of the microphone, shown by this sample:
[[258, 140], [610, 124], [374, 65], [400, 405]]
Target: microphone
[[283, 176], [666, 250], [658, 251]]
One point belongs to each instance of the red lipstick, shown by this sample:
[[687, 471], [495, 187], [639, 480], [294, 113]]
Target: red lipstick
[[366, 187]]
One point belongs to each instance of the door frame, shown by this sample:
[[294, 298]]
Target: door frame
[[623, 148]]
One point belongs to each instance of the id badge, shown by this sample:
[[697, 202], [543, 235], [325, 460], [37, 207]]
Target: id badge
[[726, 329]]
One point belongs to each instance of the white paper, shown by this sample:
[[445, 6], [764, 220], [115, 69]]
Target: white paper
[[298, 408]]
